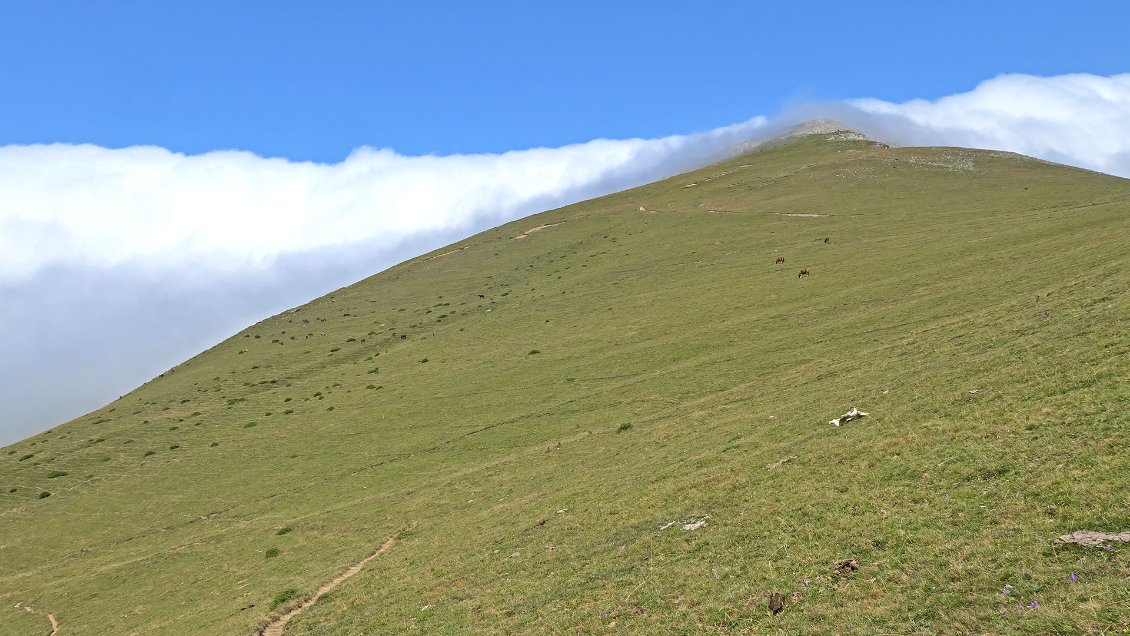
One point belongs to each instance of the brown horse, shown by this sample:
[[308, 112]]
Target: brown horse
[[804, 272], [780, 259]]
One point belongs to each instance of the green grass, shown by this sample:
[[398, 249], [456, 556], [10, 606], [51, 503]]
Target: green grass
[[283, 598], [974, 303]]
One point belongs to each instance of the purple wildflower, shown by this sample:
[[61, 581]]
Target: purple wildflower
[[1007, 590], [1073, 577], [1034, 604], [1107, 547]]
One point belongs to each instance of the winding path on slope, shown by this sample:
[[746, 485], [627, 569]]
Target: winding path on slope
[[277, 625]]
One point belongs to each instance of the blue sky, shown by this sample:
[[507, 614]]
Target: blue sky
[[312, 81], [171, 172]]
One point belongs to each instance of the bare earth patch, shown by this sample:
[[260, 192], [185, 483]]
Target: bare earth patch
[[1093, 538], [50, 617], [537, 228], [277, 625], [432, 258]]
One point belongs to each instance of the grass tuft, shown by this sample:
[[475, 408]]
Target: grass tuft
[[283, 597]]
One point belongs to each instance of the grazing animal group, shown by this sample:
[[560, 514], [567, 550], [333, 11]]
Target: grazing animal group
[[804, 273]]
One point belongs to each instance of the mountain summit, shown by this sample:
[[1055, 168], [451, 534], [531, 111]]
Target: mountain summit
[[825, 127], [613, 417]]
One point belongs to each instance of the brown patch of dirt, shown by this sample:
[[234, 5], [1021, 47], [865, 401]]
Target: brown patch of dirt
[[779, 462], [278, 624], [537, 228], [50, 617], [1093, 538], [432, 258], [847, 566]]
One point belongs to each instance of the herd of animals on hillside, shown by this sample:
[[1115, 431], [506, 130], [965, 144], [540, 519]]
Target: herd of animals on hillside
[[804, 272]]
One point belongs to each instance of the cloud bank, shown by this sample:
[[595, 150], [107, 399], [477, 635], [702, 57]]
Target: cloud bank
[[1080, 120], [159, 211], [117, 263]]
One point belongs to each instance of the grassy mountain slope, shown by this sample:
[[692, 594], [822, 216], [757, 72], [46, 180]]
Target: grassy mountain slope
[[527, 411]]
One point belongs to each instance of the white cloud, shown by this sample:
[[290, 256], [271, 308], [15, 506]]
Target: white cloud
[[149, 208], [1081, 120]]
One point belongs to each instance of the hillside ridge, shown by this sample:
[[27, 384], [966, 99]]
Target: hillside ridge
[[619, 423]]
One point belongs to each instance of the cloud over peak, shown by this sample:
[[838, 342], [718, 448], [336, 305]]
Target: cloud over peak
[[1078, 119]]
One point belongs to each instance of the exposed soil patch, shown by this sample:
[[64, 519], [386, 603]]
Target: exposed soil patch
[[537, 228], [1093, 538], [50, 617], [432, 258], [848, 566], [809, 215], [277, 625], [779, 463]]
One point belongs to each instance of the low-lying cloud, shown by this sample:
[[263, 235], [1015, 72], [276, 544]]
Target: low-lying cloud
[[227, 211], [117, 263]]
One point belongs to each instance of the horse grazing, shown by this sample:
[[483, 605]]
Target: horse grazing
[[802, 273], [780, 259]]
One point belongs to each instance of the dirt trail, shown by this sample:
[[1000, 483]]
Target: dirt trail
[[50, 617], [432, 258], [536, 229], [277, 625]]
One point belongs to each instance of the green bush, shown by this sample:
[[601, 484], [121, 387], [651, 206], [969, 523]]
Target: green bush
[[56, 473], [283, 597], [624, 427], [272, 553], [284, 530], [44, 494]]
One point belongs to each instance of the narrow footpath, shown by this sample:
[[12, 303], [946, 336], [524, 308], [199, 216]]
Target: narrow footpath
[[277, 625]]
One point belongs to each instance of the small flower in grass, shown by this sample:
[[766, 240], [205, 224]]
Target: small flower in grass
[[1073, 577], [1107, 547], [1007, 590]]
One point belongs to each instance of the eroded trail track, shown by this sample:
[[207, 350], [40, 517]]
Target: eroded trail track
[[278, 624], [50, 617]]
